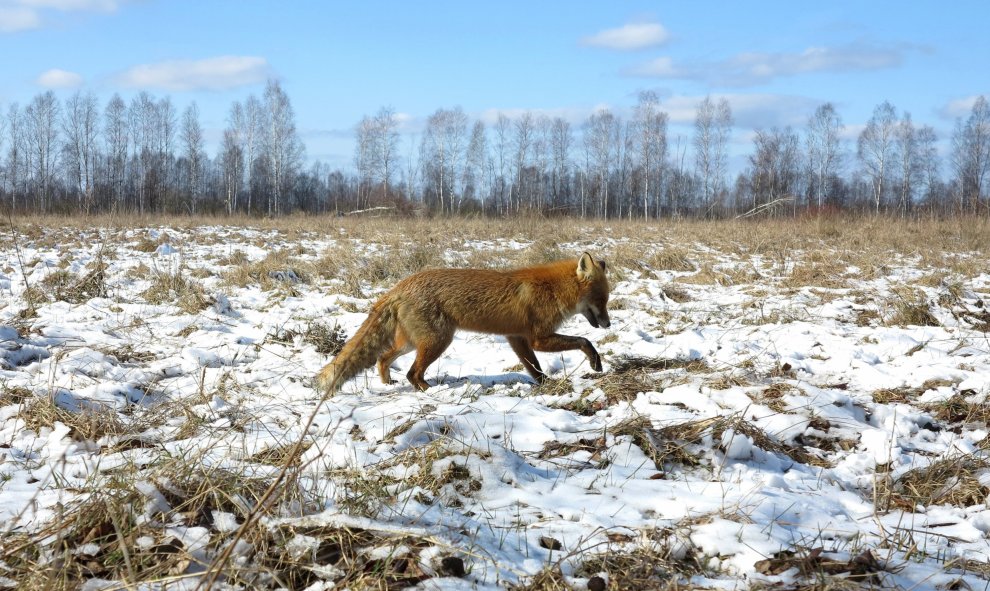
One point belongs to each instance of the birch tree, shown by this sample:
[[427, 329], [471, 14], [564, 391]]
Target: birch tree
[[502, 132], [875, 148], [906, 151], [80, 128], [712, 127], [601, 136], [823, 145], [386, 141], [42, 117], [16, 168], [651, 147], [115, 139], [283, 149], [442, 154], [194, 151], [232, 162], [561, 140], [474, 169], [971, 154]]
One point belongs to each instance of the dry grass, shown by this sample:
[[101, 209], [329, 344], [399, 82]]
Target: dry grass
[[327, 339], [908, 395], [65, 286], [872, 235], [820, 268], [171, 286], [631, 375], [86, 424], [957, 411], [953, 482], [910, 307], [278, 270], [679, 442], [103, 522]]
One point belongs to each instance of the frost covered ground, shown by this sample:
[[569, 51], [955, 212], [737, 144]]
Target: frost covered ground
[[772, 414]]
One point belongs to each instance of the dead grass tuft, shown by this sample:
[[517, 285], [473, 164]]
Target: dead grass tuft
[[953, 482], [624, 365], [820, 270], [65, 286], [645, 566], [171, 286], [827, 573], [629, 376], [679, 440], [910, 307], [87, 424], [957, 411]]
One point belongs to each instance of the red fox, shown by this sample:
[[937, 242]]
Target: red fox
[[527, 305]]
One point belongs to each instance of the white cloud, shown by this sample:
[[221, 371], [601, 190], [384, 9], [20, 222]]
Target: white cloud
[[661, 67], [215, 73], [629, 37], [73, 5], [573, 115], [748, 69], [18, 18], [22, 15], [749, 111], [961, 107], [56, 78]]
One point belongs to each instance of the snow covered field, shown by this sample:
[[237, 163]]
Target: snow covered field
[[771, 415]]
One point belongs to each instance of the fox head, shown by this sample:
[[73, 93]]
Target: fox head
[[594, 291]]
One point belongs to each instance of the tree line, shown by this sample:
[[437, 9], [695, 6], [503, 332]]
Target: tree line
[[145, 157]]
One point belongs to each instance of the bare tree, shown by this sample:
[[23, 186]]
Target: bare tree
[[561, 140], [386, 141], [166, 121], [775, 167], [364, 158], [474, 169], [540, 164], [18, 160], [232, 161], [442, 154], [823, 143], [909, 168], [712, 127], [928, 164], [141, 124], [971, 154], [80, 126], [42, 116], [502, 130], [651, 147], [875, 148], [251, 133], [3, 139], [115, 138], [601, 136], [283, 149], [522, 140], [192, 144]]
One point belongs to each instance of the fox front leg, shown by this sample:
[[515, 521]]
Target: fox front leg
[[560, 342]]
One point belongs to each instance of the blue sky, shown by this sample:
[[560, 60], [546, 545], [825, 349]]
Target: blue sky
[[338, 61]]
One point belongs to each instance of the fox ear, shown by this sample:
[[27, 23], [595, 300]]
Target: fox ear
[[586, 266]]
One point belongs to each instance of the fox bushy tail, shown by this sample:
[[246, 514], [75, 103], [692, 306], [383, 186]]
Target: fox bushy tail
[[362, 350]]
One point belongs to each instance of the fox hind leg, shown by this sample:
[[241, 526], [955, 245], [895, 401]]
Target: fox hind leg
[[428, 350], [401, 346]]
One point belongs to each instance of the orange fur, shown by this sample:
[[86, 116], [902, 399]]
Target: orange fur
[[527, 305]]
